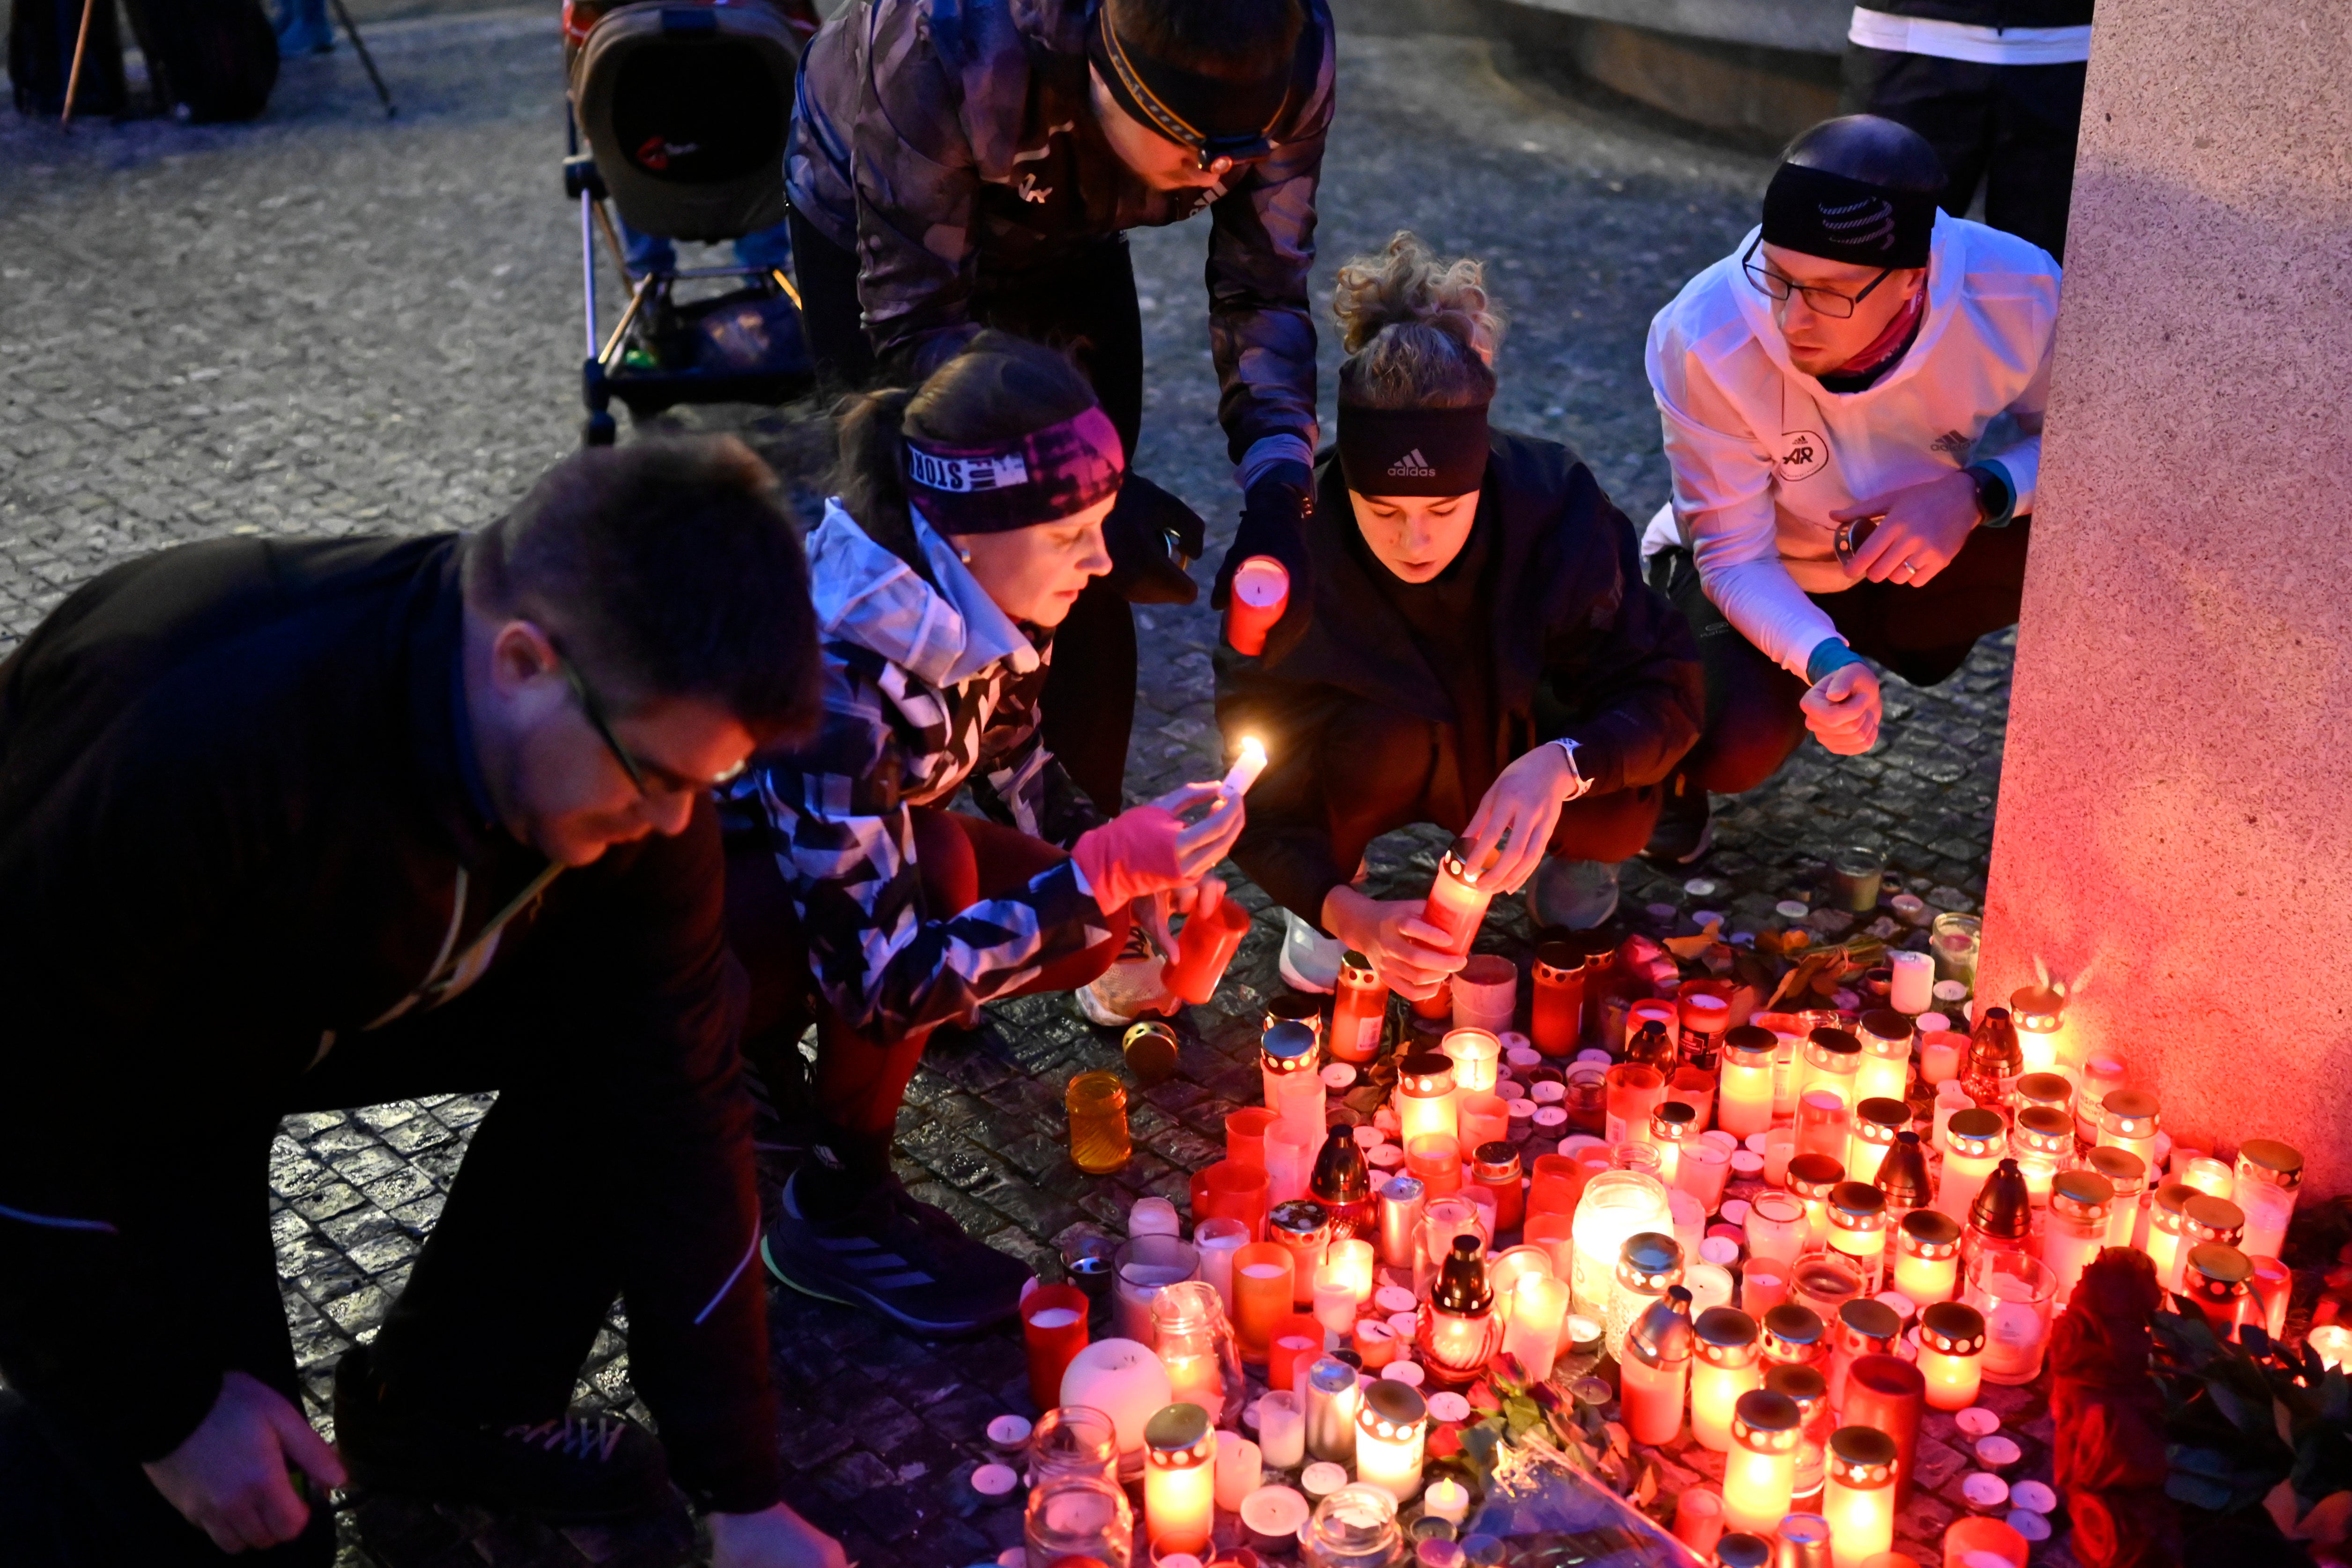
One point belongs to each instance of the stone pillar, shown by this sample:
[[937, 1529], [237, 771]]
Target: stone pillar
[[2175, 800]]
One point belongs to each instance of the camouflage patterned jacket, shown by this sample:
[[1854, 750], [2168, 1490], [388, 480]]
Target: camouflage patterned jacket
[[928, 685], [949, 142]]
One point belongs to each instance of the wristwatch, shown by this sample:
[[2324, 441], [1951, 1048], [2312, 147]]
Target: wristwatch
[[1580, 783], [1996, 500]]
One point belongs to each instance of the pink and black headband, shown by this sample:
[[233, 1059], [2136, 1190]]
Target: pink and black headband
[[1044, 477]]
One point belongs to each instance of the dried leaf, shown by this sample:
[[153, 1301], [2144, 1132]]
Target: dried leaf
[[1690, 947], [1620, 1442]]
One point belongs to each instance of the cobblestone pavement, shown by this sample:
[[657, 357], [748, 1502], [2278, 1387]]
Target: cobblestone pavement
[[326, 322]]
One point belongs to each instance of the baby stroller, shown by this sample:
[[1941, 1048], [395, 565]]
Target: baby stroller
[[684, 106]]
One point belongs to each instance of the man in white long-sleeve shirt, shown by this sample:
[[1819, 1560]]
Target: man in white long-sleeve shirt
[[1860, 360]]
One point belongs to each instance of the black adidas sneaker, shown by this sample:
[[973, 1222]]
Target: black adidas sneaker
[[907, 1260]]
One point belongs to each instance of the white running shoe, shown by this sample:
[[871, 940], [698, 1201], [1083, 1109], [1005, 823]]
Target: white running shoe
[[1130, 987], [1309, 961]]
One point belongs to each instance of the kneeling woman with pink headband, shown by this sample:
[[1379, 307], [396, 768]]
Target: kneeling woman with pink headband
[[967, 517]]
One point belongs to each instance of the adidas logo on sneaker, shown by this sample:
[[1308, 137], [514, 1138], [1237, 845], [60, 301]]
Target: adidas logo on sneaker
[[1412, 466]]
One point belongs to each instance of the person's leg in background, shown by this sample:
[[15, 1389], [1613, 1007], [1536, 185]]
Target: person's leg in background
[[1949, 102], [1575, 888], [1753, 720], [644, 252], [2037, 115], [68, 1496], [1925, 633], [833, 324], [1088, 306], [847, 1230]]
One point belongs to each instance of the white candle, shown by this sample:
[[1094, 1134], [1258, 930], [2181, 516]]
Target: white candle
[[1446, 1499], [1273, 1516], [1246, 767], [1335, 1301], [1217, 1240], [1913, 989], [1153, 1216], [1391, 1429], [1282, 1430], [1353, 1258], [1239, 1471], [1125, 1381], [1538, 1304]]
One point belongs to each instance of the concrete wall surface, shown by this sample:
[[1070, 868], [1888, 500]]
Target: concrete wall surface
[[1810, 26], [2175, 818]]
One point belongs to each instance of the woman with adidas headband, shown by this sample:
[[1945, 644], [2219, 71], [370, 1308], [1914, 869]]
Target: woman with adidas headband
[[968, 519], [1861, 363], [1483, 653]]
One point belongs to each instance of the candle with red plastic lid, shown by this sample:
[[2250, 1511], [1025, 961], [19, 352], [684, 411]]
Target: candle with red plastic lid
[[1261, 592], [1457, 905], [1203, 948]]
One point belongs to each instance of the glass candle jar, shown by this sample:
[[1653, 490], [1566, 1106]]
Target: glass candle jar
[[1436, 1159], [1705, 1167], [1975, 1143], [1539, 1308], [1478, 1056], [1483, 1117], [1073, 1440], [2219, 1280], [1876, 1122], [1927, 1257], [2213, 1177], [1556, 1019], [1180, 1470], [1443, 1220], [1942, 1054], [1403, 1202], [1458, 1332], [1884, 1072], [1098, 1136], [1584, 1100], [1615, 1206], [2043, 1144], [1635, 1091], [1824, 1124], [1359, 1010], [1776, 1227], [1195, 1345], [1726, 1361], [1822, 1281], [2168, 1221], [2127, 1176], [1085, 1518], [1655, 1368], [1951, 1354], [1671, 1124], [2013, 1293], [1810, 1177], [1391, 1426], [2077, 1229], [1759, 1471], [2039, 1015], [1832, 1061], [1647, 1265], [1354, 1527], [1862, 1328], [1744, 1088], [1425, 1097], [1142, 1267], [2269, 1174], [1858, 1214], [1808, 1389], [2128, 1119], [1858, 1499]]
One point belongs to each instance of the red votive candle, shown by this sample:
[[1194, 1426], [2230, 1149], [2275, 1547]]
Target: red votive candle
[[1203, 948], [1053, 1324], [1297, 1341], [1558, 1019], [1260, 590], [1230, 1190], [1888, 1393], [1245, 1131]]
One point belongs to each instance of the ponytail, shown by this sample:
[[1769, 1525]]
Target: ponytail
[[1419, 332], [868, 477]]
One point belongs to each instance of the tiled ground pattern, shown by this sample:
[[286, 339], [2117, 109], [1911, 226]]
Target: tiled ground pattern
[[327, 322]]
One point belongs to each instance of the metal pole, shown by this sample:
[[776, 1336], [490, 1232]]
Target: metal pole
[[73, 77], [343, 15], [588, 267]]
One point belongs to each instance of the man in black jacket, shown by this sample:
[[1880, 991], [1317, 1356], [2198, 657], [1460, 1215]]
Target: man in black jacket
[[290, 825], [1995, 85]]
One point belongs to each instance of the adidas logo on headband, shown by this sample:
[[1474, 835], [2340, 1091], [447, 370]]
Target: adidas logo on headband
[[1412, 466], [965, 476]]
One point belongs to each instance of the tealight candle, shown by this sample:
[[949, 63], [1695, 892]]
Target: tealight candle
[[1180, 1467], [1375, 1343], [1951, 1352], [1538, 1304], [1321, 1479], [1391, 1426], [1282, 1429], [1759, 1469], [1859, 1496], [1727, 1364], [1744, 1090], [1445, 1499], [1476, 1052], [1272, 1516], [1709, 1285], [1240, 1469]]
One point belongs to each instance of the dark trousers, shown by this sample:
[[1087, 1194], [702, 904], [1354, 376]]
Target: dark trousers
[[1087, 305], [1377, 764], [500, 1310], [1923, 634], [860, 1076], [2013, 127]]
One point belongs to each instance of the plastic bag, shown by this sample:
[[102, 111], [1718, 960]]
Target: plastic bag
[[1550, 1514]]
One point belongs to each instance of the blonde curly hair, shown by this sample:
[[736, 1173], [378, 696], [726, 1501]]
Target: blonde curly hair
[[1419, 332]]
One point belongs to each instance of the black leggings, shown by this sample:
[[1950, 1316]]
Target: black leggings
[[1923, 634], [1086, 304], [2011, 126]]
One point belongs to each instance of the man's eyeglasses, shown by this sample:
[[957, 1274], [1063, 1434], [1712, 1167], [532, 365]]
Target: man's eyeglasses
[[651, 778], [1823, 301]]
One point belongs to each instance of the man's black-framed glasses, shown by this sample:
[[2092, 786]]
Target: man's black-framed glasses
[[1823, 301], [662, 780]]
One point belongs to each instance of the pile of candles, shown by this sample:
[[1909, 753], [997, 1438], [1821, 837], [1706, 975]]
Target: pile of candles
[[1791, 1232]]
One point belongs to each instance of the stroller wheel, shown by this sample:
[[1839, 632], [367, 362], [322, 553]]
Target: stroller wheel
[[599, 430]]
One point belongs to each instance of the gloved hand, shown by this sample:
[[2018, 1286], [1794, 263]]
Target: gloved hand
[[1275, 511], [1146, 850], [1139, 533]]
